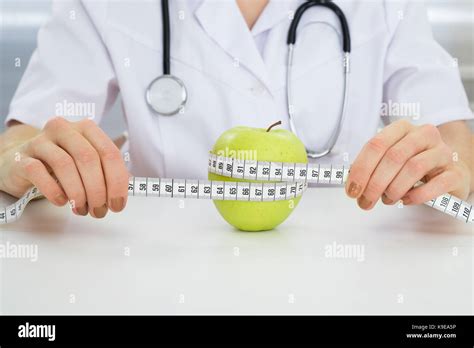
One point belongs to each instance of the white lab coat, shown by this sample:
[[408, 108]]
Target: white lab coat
[[92, 50]]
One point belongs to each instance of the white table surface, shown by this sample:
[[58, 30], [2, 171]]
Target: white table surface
[[187, 260]]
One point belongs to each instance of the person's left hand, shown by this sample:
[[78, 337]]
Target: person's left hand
[[399, 156]]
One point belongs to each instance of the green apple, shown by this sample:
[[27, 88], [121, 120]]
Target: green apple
[[273, 145]]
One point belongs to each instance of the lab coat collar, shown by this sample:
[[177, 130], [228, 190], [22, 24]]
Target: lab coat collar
[[275, 12], [224, 24]]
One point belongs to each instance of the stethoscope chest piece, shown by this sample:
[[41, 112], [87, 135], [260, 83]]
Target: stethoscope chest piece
[[166, 95]]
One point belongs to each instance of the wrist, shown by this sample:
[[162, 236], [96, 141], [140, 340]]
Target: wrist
[[15, 136], [467, 173]]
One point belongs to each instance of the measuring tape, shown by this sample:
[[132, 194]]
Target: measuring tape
[[275, 181]]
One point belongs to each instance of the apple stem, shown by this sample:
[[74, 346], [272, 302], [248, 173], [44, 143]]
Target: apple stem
[[273, 125]]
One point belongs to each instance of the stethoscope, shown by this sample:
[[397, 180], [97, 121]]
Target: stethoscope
[[166, 95]]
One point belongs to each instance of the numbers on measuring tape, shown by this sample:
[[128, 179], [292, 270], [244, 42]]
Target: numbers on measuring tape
[[204, 190], [466, 212], [275, 181], [11, 213], [220, 190], [217, 190], [444, 202], [256, 191], [243, 191], [293, 190], [250, 170], [276, 171], [263, 171]]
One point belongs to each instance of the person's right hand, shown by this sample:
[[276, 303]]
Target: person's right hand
[[68, 161]]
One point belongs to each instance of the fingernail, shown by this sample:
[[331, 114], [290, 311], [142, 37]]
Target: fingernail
[[386, 200], [81, 210], [61, 199], [364, 203], [354, 190], [100, 212], [116, 204], [406, 200]]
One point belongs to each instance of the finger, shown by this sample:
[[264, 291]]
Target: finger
[[386, 200], [415, 169], [393, 161], [64, 168], [35, 172], [371, 154], [440, 184], [115, 171], [87, 162]]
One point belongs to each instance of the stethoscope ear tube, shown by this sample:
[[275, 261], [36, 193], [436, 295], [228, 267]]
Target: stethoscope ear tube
[[346, 37], [165, 14]]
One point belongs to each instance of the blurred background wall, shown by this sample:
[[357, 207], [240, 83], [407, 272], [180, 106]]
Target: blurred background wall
[[452, 20]]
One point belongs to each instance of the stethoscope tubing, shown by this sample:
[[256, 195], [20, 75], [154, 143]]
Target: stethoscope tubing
[[291, 41], [165, 14], [346, 47]]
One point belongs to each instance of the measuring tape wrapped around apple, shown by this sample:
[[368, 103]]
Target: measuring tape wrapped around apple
[[253, 189]]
